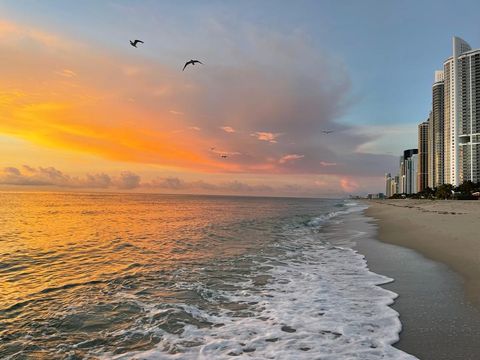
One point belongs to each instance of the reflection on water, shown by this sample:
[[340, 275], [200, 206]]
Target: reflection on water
[[95, 273]]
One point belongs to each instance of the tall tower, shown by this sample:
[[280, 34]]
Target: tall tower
[[468, 115], [408, 172], [423, 155], [461, 113], [436, 132], [388, 185]]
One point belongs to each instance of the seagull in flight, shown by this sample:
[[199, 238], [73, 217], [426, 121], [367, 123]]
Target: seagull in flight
[[327, 131], [191, 62], [135, 42]]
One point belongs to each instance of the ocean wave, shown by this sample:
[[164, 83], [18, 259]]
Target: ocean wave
[[320, 301]]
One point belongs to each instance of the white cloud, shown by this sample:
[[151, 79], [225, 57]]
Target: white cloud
[[266, 136]]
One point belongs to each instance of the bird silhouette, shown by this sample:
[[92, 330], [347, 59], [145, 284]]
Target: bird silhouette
[[135, 42], [327, 131], [191, 62], [223, 156]]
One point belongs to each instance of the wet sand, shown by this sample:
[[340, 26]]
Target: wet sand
[[445, 231], [438, 292]]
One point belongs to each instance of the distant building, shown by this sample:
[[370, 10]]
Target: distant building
[[422, 173], [408, 172], [388, 179], [436, 133], [401, 176], [391, 187], [462, 114], [376, 196], [411, 168]]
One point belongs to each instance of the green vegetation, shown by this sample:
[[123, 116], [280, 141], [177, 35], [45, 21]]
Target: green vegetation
[[446, 191]]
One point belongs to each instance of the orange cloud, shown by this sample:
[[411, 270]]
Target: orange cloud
[[174, 112], [11, 33], [83, 113], [120, 106], [67, 73]]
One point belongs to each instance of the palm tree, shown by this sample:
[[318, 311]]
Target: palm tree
[[444, 191]]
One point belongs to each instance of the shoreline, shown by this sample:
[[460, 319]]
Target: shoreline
[[441, 230], [439, 321]]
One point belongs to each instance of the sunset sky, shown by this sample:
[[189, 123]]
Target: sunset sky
[[81, 109]]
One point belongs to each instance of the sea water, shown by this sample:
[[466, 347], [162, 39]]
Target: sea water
[[142, 276]]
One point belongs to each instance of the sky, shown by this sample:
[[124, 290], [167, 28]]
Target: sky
[[81, 109]]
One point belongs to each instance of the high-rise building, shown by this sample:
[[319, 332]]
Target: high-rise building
[[411, 169], [401, 176], [408, 172], [462, 114], [430, 151], [436, 133], [390, 185], [423, 155]]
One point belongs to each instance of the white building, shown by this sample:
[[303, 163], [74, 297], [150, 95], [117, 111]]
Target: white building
[[462, 114]]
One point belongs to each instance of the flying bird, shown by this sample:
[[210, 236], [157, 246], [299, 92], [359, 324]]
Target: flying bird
[[191, 62], [327, 131], [212, 148], [135, 42], [224, 156]]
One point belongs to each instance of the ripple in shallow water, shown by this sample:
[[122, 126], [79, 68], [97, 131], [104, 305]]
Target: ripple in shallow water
[[150, 276]]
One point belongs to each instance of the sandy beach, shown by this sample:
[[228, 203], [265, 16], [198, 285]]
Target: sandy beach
[[445, 231], [432, 250]]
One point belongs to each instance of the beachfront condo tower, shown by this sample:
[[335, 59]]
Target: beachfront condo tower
[[408, 172], [391, 187], [462, 114], [436, 133], [423, 156]]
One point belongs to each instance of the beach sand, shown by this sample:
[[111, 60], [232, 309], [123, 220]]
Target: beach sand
[[439, 282], [445, 231]]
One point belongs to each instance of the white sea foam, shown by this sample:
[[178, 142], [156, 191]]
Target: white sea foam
[[321, 302]]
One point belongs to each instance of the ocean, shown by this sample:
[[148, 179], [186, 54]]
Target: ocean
[[145, 276]]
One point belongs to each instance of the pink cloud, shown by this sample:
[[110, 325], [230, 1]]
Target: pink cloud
[[174, 112], [325, 163], [228, 129], [290, 157], [266, 136], [67, 73], [348, 185]]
